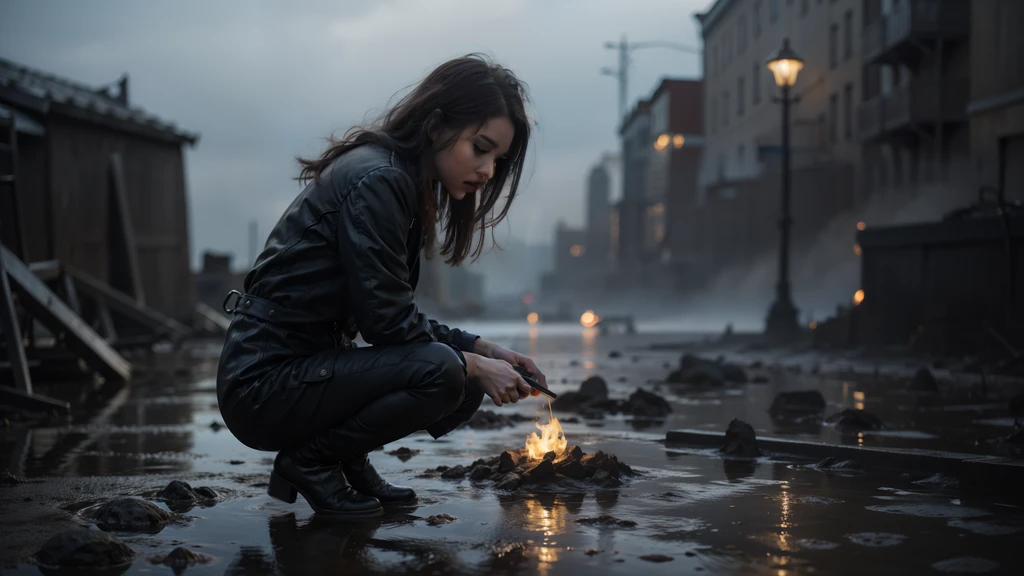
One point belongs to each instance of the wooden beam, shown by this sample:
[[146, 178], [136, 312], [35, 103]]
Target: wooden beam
[[46, 307], [123, 304], [33, 402], [124, 252], [11, 330]]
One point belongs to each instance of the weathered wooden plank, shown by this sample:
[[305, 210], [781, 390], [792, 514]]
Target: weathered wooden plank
[[45, 306], [12, 332], [124, 304], [124, 255], [33, 402]]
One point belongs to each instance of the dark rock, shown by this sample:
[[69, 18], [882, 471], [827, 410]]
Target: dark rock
[[594, 387], [615, 354], [760, 379], [802, 402], [925, 381], [84, 549], [606, 479], [453, 473], [178, 491], [480, 473], [657, 558], [591, 551], [851, 421], [622, 379], [508, 461], [740, 440], [570, 468], [574, 363], [131, 515], [549, 455], [542, 472], [488, 420], [570, 401], [574, 452], [510, 481], [236, 462], [644, 403], [439, 519], [181, 558], [216, 426], [606, 520], [403, 453], [571, 420]]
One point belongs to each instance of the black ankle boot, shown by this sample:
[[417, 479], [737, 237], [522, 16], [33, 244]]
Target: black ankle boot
[[366, 480], [324, 486]]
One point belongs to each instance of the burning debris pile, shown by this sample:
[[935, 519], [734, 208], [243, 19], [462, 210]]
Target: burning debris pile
[[545, 461]]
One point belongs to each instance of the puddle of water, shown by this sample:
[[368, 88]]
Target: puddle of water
[[924, 510]]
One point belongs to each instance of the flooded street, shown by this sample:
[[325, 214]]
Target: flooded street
[[689, 511]]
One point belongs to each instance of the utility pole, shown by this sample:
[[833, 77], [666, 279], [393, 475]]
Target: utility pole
[[625, 49]]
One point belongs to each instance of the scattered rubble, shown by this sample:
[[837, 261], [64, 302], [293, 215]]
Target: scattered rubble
[[851, 421], [403, 453], [606, 520], [795, 403], [591, 401], [132, 515], [181, 558], [740, 440], [439, 519], [8, 479], [513, 469], [488, 420], [657, 558], [695, 370], [178, 491], [81, 548]]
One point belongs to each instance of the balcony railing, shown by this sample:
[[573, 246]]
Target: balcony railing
[[912, 19], [922, 101]]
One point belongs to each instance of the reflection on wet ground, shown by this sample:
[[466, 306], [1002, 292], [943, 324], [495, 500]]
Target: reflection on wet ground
[[694, 512]]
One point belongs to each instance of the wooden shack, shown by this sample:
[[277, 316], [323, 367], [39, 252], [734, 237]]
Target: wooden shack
[[101, 187]]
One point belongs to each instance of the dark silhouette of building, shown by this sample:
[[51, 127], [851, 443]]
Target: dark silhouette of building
[[67, 197]]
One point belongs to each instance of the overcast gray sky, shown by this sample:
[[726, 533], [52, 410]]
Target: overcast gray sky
[[263, 82]]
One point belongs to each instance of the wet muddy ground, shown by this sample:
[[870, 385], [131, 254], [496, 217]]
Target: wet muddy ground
[[694, 512]]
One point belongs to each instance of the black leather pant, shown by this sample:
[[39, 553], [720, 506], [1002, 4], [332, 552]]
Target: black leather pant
[[346, 402]]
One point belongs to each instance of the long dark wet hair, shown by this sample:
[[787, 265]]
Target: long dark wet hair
[[460, 93]]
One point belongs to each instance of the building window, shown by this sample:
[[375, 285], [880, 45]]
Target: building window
[[741, 31], [848, 111], [773, 10], [756, 16], [741, 96], [847, 35], [805, 6], [833, 118], [725, 108], [833, 46], [755, 82]]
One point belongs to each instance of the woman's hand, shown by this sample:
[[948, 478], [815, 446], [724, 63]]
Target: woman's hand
[[497, 379], [492, 350]]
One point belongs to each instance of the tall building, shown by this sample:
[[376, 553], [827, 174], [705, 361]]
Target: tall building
[[996, 106], [913, 120], [636, 151], [598, 216], [739, 185]]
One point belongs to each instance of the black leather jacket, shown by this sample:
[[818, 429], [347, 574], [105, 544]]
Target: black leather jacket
[[344, 258]]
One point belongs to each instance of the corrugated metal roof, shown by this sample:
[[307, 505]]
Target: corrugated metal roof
[[25, 87]]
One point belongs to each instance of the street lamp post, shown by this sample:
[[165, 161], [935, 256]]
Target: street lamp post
[[782, 324]]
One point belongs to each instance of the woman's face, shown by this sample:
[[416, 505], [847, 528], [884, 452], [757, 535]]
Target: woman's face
[[467, 164]]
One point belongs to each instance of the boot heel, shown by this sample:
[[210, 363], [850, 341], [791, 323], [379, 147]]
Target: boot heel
[[281, 489]]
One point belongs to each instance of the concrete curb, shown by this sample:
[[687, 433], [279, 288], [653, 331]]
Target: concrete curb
[[990, 473]]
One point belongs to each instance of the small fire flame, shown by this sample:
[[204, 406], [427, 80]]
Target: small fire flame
[[551, 438]]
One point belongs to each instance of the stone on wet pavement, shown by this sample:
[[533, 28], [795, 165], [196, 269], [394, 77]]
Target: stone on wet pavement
[[132, 515], [701, 371], [571, 468], [606, 520], [81, 548], [489, 420], [178, 491], [795, 403], [851, 421], [403, 453], [740, 440], [594, 387], [181, 558], [591, 401], [644, 403]]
